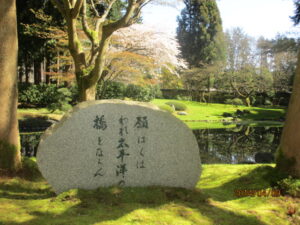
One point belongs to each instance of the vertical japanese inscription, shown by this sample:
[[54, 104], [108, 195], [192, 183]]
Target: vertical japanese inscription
[[141, 123], [123, 150], [100, 125]]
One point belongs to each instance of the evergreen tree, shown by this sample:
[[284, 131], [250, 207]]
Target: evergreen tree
[[200, 33], [296, 17]]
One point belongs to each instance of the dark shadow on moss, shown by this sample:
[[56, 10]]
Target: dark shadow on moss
[[264, 114], [108, 204]]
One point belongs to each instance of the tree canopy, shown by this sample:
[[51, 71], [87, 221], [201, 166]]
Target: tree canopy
[[200, 33]]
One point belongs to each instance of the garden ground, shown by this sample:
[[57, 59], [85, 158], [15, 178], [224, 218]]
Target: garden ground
[[213, 201]]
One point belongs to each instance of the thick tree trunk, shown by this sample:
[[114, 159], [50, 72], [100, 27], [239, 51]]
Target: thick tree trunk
[[86, 92], [288, 153], [10, 158]]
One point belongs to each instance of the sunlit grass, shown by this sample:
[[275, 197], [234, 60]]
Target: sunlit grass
[[199, 114]]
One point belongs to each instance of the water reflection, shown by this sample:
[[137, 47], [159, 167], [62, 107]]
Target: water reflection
[[29, 143], [242, 144]]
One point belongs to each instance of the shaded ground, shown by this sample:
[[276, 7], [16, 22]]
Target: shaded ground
[[24, 202]]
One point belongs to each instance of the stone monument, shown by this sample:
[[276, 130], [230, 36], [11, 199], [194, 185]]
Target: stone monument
[[113, 142]]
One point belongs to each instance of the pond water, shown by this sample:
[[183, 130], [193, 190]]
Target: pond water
[[242, 144]]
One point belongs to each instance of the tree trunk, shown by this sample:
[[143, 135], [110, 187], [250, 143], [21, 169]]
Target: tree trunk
[[288, 153], [37, 72], [48, 64], [247, 101], [86, 92], [10, 158]]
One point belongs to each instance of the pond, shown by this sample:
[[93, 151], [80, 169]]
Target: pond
[[242, 144]]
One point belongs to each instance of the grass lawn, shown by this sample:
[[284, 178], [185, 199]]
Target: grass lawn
[[201, 113], [24, 202]]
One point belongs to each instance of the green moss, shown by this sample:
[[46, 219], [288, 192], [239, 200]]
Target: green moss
[[212, 201], [94, 35], [179, 106], [78, 45], [9, 156], [203, 112], [167, 108]]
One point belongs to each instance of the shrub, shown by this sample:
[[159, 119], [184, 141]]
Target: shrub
[[40, 95], [235, 101], [155, 92], [167, 108], [30, 95], [74, 94], [290, 186], [178, 106], [61, 100], [111, 90], [139, 93]]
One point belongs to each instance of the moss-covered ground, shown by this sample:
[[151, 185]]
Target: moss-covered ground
[[38, 113], [200, 115], [25, 201]]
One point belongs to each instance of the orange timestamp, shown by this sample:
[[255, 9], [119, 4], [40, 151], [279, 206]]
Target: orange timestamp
[[257, 192]]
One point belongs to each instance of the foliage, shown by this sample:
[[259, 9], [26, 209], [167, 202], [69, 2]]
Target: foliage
[[139, 93], [235, 101], [296, 17], [200, 34], [201, 41], [291, 186], [138, 54], [90, 26], [45, 95], [242, 75], [40, 28], [111, 90], [167, 108], [178, 106], [61, 100]]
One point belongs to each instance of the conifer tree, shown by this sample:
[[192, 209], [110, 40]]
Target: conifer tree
[[200, 33], [201, 41]]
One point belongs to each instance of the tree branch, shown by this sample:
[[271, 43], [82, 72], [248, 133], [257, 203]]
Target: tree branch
[[124, 21], [94, 8], [75, 11], [104, 16]]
